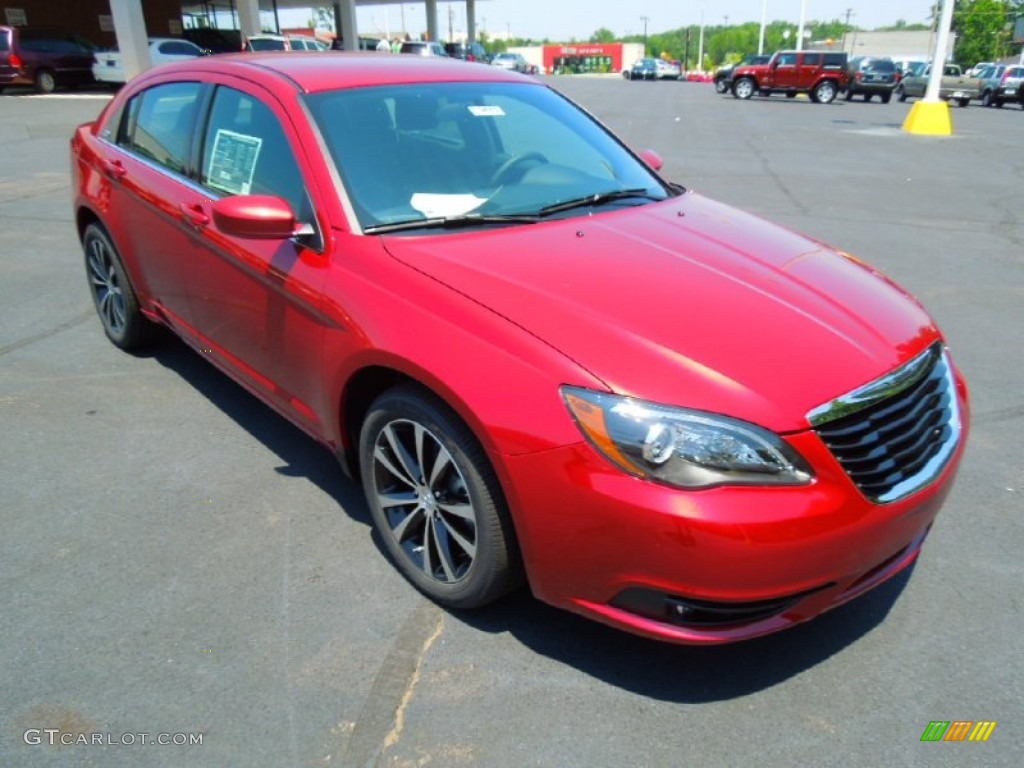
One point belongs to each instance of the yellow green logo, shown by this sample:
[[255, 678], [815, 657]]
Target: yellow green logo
[[958, 730]]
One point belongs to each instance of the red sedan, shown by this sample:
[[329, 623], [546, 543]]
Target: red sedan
[[542, 360]]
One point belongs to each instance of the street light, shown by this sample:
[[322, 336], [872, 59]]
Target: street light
[[800, 31], [644, 19], [764, 22]]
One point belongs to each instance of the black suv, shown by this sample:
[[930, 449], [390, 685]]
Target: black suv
[[466, 52], [44, 57], [872, 77], [723, 75]]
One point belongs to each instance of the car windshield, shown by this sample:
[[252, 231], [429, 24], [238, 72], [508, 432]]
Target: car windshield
[[476, 152]]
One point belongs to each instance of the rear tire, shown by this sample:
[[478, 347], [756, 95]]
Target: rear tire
[[849, 95], [46, 82], [986, 99], [901, 94], [824, 92], [885, 97], [964, 102], [112, 292], [721, 86]]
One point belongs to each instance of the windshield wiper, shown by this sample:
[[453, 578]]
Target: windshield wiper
[[599, 198], [453, 222]]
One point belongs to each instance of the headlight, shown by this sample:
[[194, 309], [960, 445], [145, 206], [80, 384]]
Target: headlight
[[680, 447]]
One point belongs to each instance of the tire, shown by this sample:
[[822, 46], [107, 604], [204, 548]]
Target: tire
[[791, 94], [849, 95], [997, 103], [901, 94], [986, 99], [112, 292], [964, 102], [824, 92], [45, 82], [885, 97], [743, 88], [867, 97], [435, 501], [721, 86]]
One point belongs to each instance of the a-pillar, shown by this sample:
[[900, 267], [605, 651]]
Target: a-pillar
[[130, 30]]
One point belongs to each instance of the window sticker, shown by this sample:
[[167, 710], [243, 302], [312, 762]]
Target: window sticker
[[233, 161], [486, 110]]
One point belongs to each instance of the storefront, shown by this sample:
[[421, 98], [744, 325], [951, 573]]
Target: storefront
[[588, 58]]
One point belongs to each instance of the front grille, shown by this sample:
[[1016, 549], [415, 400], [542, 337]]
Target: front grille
[[895, 435]]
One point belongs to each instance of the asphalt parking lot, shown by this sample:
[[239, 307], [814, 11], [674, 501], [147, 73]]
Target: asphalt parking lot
[[176, 559]]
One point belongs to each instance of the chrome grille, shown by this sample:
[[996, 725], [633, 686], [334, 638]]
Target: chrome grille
[[894, 436]]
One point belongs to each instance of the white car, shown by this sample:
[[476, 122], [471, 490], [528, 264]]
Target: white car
[[512, 61], [108, 68], [667, 70]]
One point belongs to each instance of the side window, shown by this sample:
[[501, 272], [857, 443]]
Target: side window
[[787, 60], [5, 44], [245, 151], [812, 59], [160, 124]]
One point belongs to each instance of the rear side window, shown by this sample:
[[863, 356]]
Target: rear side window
[[881, 65], [812, 59], [5, 42], [161, 124], [835, 59]]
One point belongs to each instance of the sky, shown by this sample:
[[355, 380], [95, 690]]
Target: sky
[[560, 20]]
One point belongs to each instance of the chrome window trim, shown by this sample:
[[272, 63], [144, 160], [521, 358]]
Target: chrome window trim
[[874, 392]]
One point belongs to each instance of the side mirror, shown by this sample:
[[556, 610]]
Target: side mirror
[[255, 216], [652, 158]]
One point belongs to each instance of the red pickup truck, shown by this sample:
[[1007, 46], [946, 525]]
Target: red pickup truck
[[820, 74]]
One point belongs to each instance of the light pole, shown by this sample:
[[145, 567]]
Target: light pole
[[764, 22], [644, 19], [930, 115], [800, 31], [700, 46]]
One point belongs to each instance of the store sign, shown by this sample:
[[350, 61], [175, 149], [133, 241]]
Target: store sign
[[16, 17]]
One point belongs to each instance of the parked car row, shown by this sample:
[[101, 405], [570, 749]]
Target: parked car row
[[825, 74], [49, 57]]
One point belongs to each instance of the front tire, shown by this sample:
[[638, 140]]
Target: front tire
[[435, 500], [743, 88], [112, 293], [824, 92], [901, 94], [721, 87]]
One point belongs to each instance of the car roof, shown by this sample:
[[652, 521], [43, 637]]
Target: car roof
[[311, 71]]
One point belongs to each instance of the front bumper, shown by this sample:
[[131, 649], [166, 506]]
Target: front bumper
[[628, 552]]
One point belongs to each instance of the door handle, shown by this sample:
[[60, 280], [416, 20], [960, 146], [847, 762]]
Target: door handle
[[115, 169], [195, 215]]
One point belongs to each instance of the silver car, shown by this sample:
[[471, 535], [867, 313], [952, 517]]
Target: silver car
[[512, 61]]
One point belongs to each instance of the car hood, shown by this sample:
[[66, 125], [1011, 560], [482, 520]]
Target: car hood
[[688, 302]]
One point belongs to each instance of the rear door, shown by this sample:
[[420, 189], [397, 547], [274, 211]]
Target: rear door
[[147, 155]]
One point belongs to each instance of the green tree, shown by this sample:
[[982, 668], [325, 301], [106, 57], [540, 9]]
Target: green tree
[[982, 32], [602, 35]]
